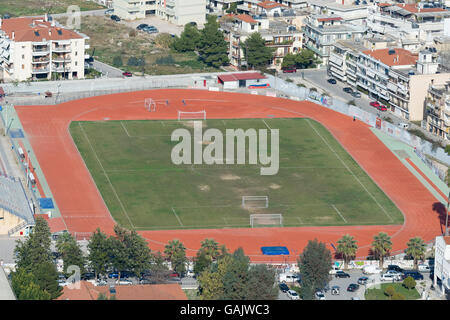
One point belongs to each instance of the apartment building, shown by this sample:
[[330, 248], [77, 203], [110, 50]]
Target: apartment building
[[322, 31], [283, 37], [394, 76], [442, 264], [178, 12], [437, 112], [219, 7], [347, 10], [34, 48]]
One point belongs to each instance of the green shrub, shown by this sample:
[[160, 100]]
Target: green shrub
[[165, 60], [409, 283], [117, 61], [398, 296], [389, 291]]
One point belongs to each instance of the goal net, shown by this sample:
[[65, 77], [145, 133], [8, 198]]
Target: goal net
[[150, 104], [266, 220], [186, 115], [255, 201]]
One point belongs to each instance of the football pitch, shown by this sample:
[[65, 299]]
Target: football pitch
[[318, 182]]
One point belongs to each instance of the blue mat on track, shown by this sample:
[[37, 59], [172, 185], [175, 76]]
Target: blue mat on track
[[16, 133], [273, 251], [46, 203]]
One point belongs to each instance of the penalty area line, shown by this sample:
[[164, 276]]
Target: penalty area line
[[340, 214], [178, 218]]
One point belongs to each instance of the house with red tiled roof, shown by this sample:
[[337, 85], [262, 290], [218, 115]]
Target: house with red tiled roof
[[85, 290], [270, 8], [35, 48]]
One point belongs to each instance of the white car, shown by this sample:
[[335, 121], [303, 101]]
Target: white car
[[389, 277], [334, 269], [372, 269], [396, 274], [320, 295], [124, 282], [293, 295], [424, 268]]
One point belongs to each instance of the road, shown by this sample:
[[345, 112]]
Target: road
[[318, 78], [107, 70]]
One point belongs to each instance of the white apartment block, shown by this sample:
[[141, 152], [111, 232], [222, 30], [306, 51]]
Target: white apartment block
[[347, 10], [34, 48], [220, 6], [438, 110], [442, 263], [283, 37], [322, 31], [178, 12]]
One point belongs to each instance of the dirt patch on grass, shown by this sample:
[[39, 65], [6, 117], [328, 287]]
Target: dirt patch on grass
[[324, 218], [229, 177], [204, 187], [274, 186]]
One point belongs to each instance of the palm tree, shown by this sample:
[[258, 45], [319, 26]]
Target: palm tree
[[347, 248], [416, 249], [381, 246], [175, 252], [210, 248]]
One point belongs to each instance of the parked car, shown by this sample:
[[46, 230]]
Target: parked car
[[423, 268], [88, 276], [290, 69], [292, 295], [320, 295], [356, 94], [403, 125], [389, 277], [6, 16], [146, 281], [124, 282], [335, 290], [141, 26], [334, 269], [397, 275], [375, 104], [352, 287], [113, 275], [100, 282], [395, 268], [415, 274], [382, 108], [348, 90], [127, 74], [363, 280], [371, 269], [332, 81], [288, 277], [342, 274], [115, 18], [284, 287], [109, 11]]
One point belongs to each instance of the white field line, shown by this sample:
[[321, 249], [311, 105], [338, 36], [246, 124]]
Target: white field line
[[298, 218], [106, 175], [178, 218], [349, 170], [266, 124], [126, 131], [334, 207], [162, 122]]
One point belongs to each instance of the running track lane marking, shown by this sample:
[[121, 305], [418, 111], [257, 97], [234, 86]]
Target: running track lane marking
[[178, 218], [334, 207], [349, 170], [426, 178], [106, 175], [126, 131]]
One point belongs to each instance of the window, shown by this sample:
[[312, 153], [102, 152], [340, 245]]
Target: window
[[23, 66], [76, 63], [23, 56], [76, 53]]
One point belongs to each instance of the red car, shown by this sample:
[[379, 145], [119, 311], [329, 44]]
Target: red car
[[382, 108], [375, 104], [127, 74], [289, 70]]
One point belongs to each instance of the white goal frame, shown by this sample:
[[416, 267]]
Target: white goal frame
[[255, 198], [191, 115], [276, 217], [150, 104]]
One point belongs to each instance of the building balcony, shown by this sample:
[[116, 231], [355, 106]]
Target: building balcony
[[316, 50], [40, 51], [61, 49], [40, 60], [40, 70], [62, 59], [61, 69]]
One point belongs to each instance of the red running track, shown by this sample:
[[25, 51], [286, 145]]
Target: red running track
[[83, 209]]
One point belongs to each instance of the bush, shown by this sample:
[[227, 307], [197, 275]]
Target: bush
[[447, 149], [389, 291], [289, 80], [133, 61], [409, 283], [352, 103], [117, 61], [165, 60], [132, 33], [301, 85], [398, 296]]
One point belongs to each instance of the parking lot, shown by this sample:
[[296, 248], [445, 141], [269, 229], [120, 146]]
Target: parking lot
[[162, 25]]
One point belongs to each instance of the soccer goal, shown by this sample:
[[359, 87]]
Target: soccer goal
[[255, 201], [266, 220], [186, 115], [150, 104]]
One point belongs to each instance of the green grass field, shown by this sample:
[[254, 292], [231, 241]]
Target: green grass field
[[378, 294], [318, 183]]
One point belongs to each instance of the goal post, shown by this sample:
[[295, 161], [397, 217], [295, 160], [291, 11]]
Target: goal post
[[191, 115], [255, 201], [150, 104], [266, 220]]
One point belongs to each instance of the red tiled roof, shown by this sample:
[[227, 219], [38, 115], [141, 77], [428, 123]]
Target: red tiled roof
[[447, 240], [405, 57], [329, 19], [270, 4], [414, 9], [87, 291], [384, 4], [246, 18], [35, 29], [241, 76]]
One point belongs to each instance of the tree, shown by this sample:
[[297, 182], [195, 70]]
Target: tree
[[255, 51], [232, 8], [381, 246], [236, 277], [98, 252], [315, 265], [211, 286], [117, 61], [70, 252], [306, 58], [175, 252], [398, 296], [158, 269], [389, 291], [34, 256], [164, 40], [189, 39], [409, 283], [347, 248], [201, 262], [212, 47], [139, 253], [25, 287], [289, 60], [261, 283], [416, 249]]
